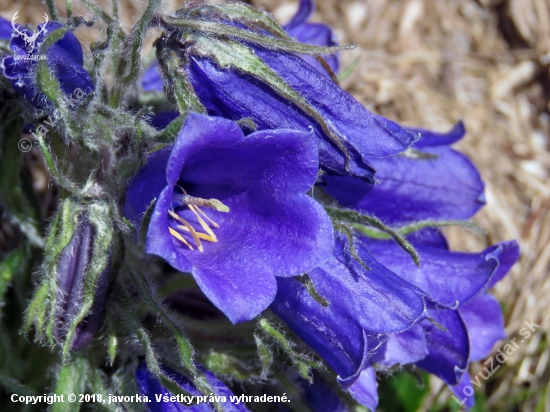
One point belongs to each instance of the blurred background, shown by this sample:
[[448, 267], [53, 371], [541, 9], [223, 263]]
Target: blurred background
[[429, 63]]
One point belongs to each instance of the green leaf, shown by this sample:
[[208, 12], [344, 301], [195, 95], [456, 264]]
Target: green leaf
[[14, 386]]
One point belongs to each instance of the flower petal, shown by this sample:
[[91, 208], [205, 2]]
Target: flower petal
[[401, 348], [429, 138], [485, 324], [376, 299], [365, 389], [448, 350], [509, 255], [449, 278], [445, 188], [340, 341], [466, 401]]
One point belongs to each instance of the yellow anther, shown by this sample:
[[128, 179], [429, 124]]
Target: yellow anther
[[191, 229]]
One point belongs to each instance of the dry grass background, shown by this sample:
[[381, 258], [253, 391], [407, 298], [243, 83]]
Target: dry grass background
[[429, 63]]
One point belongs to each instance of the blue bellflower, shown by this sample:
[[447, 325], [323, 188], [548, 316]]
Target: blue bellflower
[[269, 227], [319, 34], [441, 184], [358, 303], [64, 58], [456, 284], [235, 95]]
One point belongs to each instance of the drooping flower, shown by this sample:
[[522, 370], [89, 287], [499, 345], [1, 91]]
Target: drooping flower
[[468, 321], [276, 89], [64, 58], [358, 303], [432, 181], [259, 224], [150, 386]]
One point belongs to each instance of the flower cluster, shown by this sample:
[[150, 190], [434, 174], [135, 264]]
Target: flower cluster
[[303, 218]]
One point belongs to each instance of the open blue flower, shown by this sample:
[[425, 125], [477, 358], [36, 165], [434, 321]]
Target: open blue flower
[[272, 228], [65, 59]]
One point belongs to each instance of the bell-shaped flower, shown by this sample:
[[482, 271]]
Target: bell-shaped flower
[[64, 57], [232, 210], [465, 321], [272, 87], [319, 34], [431, 181], [351, 304]]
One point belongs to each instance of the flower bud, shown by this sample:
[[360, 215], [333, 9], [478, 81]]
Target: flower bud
[[70, 300], [72, 270]]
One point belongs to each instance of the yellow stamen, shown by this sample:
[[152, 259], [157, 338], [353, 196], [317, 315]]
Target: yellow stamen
[[199, 234], [191, 229], [180, 237], [202, 222], [207, 218]]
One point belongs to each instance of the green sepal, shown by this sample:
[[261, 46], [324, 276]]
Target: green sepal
[[310, 287], [71, 379], [265, 355], [170, 132], [359, 221], [224, 364], [272, 43], [180, 91], [52, 38], [302, 362]]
